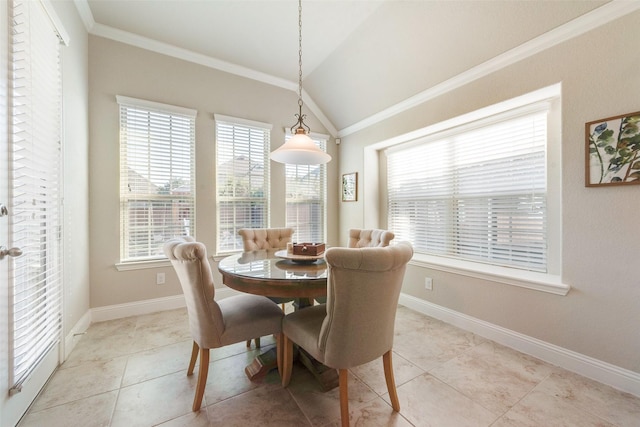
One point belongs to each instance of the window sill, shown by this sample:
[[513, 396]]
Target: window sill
[[219, 257], [157, 263], [525, 279], [139, 265]]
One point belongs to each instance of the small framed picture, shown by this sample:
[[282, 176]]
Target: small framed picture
[[612, 152], [350, 187]]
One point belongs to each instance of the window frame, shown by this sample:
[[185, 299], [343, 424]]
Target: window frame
[[551, 282], [188, 199], [463, 215], [249, 126]]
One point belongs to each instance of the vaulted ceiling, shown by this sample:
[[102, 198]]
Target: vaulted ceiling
[[361, 58]]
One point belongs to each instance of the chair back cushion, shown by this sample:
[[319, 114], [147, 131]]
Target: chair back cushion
[[369, 238], [189, 259], [255, 239], [363, 286]]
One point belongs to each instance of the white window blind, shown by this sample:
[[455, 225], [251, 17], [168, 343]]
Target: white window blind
[[242, 183], [35, 158], [476, 193], [306, 189], [157, 176]]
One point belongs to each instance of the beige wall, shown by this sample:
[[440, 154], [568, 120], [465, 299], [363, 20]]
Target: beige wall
[[600, 316], [75, 130], [119, 69], [599, 77]]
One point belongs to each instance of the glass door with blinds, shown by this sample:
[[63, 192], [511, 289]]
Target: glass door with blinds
[[30, 223]]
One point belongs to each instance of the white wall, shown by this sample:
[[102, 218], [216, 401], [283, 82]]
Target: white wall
[[75, 146], [119, 69], [601, 239]]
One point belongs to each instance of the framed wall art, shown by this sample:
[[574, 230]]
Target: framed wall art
[[612, 152], [350, 187]]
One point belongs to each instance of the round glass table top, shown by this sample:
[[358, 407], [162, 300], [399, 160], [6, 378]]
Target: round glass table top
[[265, 264]]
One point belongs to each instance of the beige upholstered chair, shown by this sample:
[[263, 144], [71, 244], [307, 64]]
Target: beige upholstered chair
[[368, 238], [255, 239], [364, 239], [216, 324], [356, 324]]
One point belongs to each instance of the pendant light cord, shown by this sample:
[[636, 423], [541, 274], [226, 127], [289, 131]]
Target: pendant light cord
[[301, 125], [300, 54], [300, 149]]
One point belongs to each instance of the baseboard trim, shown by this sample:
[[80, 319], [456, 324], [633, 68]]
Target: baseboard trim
[[603, 372], [137, 308], [119, 311], [71, 339], [606, 373]]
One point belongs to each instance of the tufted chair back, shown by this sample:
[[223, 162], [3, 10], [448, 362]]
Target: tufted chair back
[[369, 238], [356, 325], [189, 259], [255, 239], [363, 287], [214, 323]]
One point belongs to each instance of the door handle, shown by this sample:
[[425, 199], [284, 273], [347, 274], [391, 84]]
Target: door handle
[[11, 252]]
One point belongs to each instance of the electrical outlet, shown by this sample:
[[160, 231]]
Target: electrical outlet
[[160, 279], [428, 283]]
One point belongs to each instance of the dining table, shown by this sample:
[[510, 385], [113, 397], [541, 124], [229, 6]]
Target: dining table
[[277, 273]]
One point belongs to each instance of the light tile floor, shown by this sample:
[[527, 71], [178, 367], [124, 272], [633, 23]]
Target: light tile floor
[[132, 372]]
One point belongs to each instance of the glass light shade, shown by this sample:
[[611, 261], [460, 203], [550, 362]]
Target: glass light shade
[[300, 150]]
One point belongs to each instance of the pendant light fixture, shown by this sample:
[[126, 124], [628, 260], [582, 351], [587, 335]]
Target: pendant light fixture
[[300, 148]]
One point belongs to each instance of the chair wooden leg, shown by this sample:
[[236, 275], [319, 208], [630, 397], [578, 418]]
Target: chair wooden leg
[[202, 379], [343, 380], [287, 360], [279, 352], [194, 357], [391, 382], [256, 340]]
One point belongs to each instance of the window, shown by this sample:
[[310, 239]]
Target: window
[[157, 177], [242, 165], [306, 189], [476, 192], [35, 189]]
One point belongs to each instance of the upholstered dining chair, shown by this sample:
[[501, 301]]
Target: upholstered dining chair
[[254, 239], [214, 323], [365, 238], [356, 324], [359, 238]]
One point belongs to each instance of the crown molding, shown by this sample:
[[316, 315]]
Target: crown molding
[[85, 14], [317, 111], [583, 24], [187, 55]]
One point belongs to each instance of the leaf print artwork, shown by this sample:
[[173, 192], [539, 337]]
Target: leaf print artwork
[[613, 150]]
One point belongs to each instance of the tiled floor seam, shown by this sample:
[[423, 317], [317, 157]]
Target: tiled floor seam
[[115, 405], [293, 397], [576, 406], [471, 398], [501, 416]]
